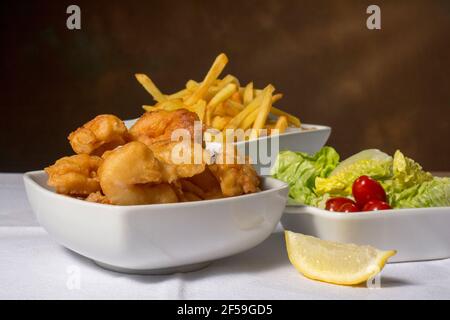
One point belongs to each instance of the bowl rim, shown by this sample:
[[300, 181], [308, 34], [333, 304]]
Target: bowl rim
[[304, 209], [310, 126], [29, 176]]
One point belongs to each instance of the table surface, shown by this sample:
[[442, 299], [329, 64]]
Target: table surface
[[33, 266]]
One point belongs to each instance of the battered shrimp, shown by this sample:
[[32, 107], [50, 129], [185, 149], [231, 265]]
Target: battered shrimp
[[98, 197], [104, 132], [204, 185], [158, 125], [235, 178], [75, 175], [180, 160], [131, 175]]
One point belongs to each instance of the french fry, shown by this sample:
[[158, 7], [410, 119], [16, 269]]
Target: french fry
[[170, 105], [292, 119], [233, 104], [151, 88], [223, 109], [217, 67], [248, 93], [149, 108], [220, 110], [192, 85], [220, 97], [248, 121], [276, 97], [236, 97], [281, 124], [263, 113], [252, 106], [228, 79], [219, 122], [232, 109], [179, 95], [199, 108]]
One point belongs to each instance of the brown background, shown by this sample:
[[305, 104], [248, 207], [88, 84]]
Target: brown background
[[384, 89]]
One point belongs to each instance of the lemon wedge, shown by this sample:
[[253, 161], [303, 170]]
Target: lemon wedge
[[333, 262]]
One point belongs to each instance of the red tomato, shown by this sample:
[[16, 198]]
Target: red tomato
[[334, 204], [365, 189], [349, 207], [375, 205]]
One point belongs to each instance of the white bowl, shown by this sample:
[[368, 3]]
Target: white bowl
[[160, 238], [417, 234], [310, 138]]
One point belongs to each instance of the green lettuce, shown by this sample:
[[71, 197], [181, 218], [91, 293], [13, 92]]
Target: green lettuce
[[407, 173], [372, 163], [314, 179], [431, 193], [300, 171]]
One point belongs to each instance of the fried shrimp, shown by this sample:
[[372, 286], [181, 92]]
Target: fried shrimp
[[180, 160], [75, 175], [159, 125], [204, 185], [98, 197], [132, 175], [104, 132], [236, 179]]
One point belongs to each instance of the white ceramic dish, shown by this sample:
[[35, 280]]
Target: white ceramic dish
[[309, 138], [417, 234], [162, 238]]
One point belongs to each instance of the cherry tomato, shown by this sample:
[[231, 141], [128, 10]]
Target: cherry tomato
[[349, 207], [365, 189], [334, 204], [375, 205]]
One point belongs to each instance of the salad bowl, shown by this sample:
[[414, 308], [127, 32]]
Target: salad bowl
[[416, 234], [158, 238], [371, 198]]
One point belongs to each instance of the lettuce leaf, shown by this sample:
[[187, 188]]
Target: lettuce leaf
[[300, 171], [407, 173], [431, 193], [372, 163]]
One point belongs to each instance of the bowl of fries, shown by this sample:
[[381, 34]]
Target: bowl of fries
[[243, 112]]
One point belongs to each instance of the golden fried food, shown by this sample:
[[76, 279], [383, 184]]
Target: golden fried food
[[179, 159], [104, 132], [75, 175], [159, 125], [205, 185], [222, 102], [236, 179], [132, 175], [146, 166], [98, 197]]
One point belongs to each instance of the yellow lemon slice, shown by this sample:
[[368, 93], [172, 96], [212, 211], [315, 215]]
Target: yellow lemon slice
[[333, 262]]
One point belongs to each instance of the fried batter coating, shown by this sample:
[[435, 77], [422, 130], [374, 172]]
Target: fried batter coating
[[75, 175], [104, 132], [204, 185], [158, 125], [236, 179], [98, 197], [132, 175], [178, 159]]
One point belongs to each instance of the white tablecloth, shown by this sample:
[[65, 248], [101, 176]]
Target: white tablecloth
[[33, 266]]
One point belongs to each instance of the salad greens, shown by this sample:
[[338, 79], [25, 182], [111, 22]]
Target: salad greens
[[300, 171], [313, 179]]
